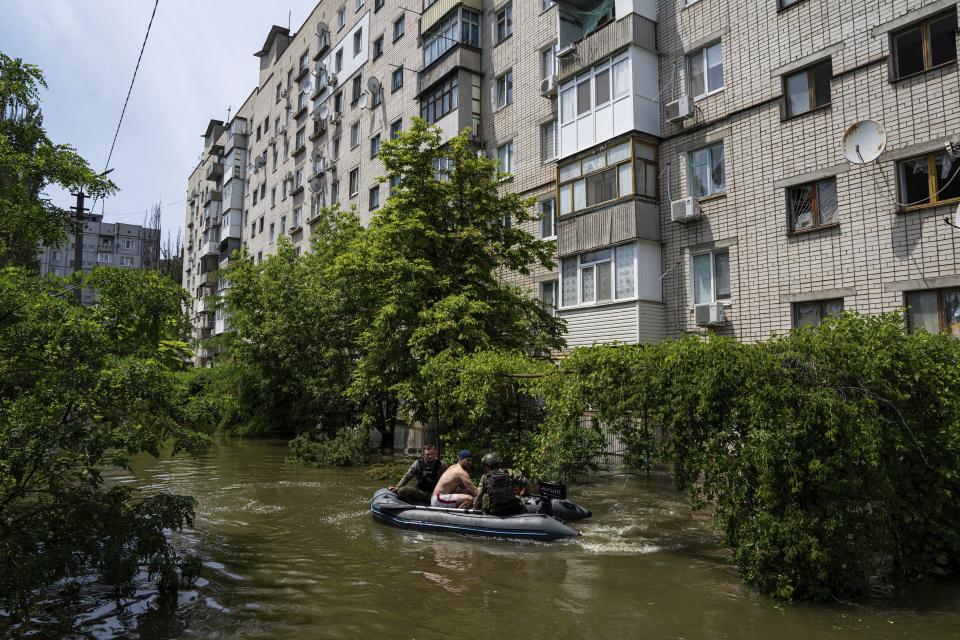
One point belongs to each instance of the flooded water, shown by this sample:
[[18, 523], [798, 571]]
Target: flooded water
[[293, 553]]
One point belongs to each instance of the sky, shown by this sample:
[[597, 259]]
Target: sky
[[198, 62]]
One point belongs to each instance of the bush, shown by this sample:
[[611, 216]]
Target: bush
[[347, 449]]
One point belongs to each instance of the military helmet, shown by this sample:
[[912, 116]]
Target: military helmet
[[492, 460]]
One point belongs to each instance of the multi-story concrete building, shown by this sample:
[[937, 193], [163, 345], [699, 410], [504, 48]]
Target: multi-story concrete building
[[687, 155], [105, 244]]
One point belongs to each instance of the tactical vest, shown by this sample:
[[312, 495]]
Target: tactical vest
[[500, 487], [428, 475]]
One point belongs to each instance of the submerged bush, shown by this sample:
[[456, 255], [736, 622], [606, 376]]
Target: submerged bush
[[346, 449]]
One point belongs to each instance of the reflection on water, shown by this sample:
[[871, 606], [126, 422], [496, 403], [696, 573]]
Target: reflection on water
[[293, 553]]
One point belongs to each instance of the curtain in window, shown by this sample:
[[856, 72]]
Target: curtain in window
[[721, 275], [702, 285], [827, 201], [808, 314], [714, 67], [699, 173], [923, 311], [625, 270], [568, 273], [951, 311], [621, 78], [716, 165]]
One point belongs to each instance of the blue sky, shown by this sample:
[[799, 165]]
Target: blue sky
[[198, 62]]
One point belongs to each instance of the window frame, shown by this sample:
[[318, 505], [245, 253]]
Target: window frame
[[702, 52], [941, 308], [633, 161], [508, 148], [394, 85], [374, 146], [353, 182], [371, 205], [821, 309], [713, 253], [503, 15], [814, 207], [932, 198], [553, 304], [433, 100], [710, 147], [503, 90], [394, 132], [401, 23], [924, 26], [378, 46], [581, 267], [553, 218], [810, 72]]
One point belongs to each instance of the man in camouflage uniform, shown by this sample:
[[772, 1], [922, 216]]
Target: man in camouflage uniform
[[426, 470], [495, 491]]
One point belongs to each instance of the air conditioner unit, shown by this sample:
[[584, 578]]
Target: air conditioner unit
[[680, 109], [567, 51], [684, 210], [548, 86], [335, 117], [321, 165], [272, 141], [709, 314], [260, 161], [289, 176], [332, 80]]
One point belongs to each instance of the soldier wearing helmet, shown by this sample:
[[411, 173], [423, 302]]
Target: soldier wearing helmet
[[495, 491]]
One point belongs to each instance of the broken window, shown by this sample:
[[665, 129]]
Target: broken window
[[808, 89], [812, 314], [929, 179], [924, 45], [813, 205]]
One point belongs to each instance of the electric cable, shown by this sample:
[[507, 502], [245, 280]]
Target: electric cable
[[129, 91]]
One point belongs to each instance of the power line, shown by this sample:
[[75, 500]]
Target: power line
[[129, 90], [147, 209]]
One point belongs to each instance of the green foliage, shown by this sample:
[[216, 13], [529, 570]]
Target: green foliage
[[346, 449], [78, 390], [29, 163]]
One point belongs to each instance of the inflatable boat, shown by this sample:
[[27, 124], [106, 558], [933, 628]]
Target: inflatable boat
[[536, 524]]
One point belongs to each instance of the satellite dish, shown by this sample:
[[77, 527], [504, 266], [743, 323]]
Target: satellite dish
[[864, 141], [322, 29], [362, 100], [323, 112], [373, 85]]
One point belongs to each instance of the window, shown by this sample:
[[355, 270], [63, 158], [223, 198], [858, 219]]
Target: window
[[374, 197], [289, 78], [711, 277], [354, 134], [338, 61], [812, 314], [335, 150], [706, 70], [378, 47], [394, 183], [706, 171], [255, 196], [279, 91], [258, 133], [399, 27], [272, 232], [808, 89], [395, 128], [504, 24], [261, 225], [286, 147], [305, 60], [253, 229], [374, 146], [284, 196], [609, 175], [606, 79], [813, 205], [298, 178], [376, 99], [126, 261], [297, 216], [128, 244], [924, 45], [283, 225], [338, 102], [396, 79], [378, 4], [599, 276], [549, 296], [548, 61], [548, 219], [546, 4], [354, 181], [273, 197], [440, 101], [359, 5], [341, 18], [357, 89], [462, 26], [504, 90], [263, 193], [934, 311], [334, 192], [266, 125], [548, 141], [505, 156], [301, 137], [930, 179], [357, 42], [789, 3], [259, 257]]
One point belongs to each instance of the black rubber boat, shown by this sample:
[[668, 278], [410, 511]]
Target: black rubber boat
[[536, 524]]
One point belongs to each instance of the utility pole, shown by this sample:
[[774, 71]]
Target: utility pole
[[80, 213]]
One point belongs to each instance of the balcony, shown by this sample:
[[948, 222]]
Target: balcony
[[460, 56], [634, 29], [612, 224], [210, 248], [214, 195], [441, 8], [214, 171]]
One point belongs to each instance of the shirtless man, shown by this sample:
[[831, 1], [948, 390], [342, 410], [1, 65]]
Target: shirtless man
[[453, 479]]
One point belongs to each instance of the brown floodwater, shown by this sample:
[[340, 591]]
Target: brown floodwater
[[293, 553]]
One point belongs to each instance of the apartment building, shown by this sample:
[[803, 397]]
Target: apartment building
[[687, 155], [105, 244]]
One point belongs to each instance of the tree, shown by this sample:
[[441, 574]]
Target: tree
[[29, 163], [429, 270]]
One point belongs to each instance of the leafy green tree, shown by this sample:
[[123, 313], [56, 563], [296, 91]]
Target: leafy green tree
[[29, 163], [81, 388], [428, 272]]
